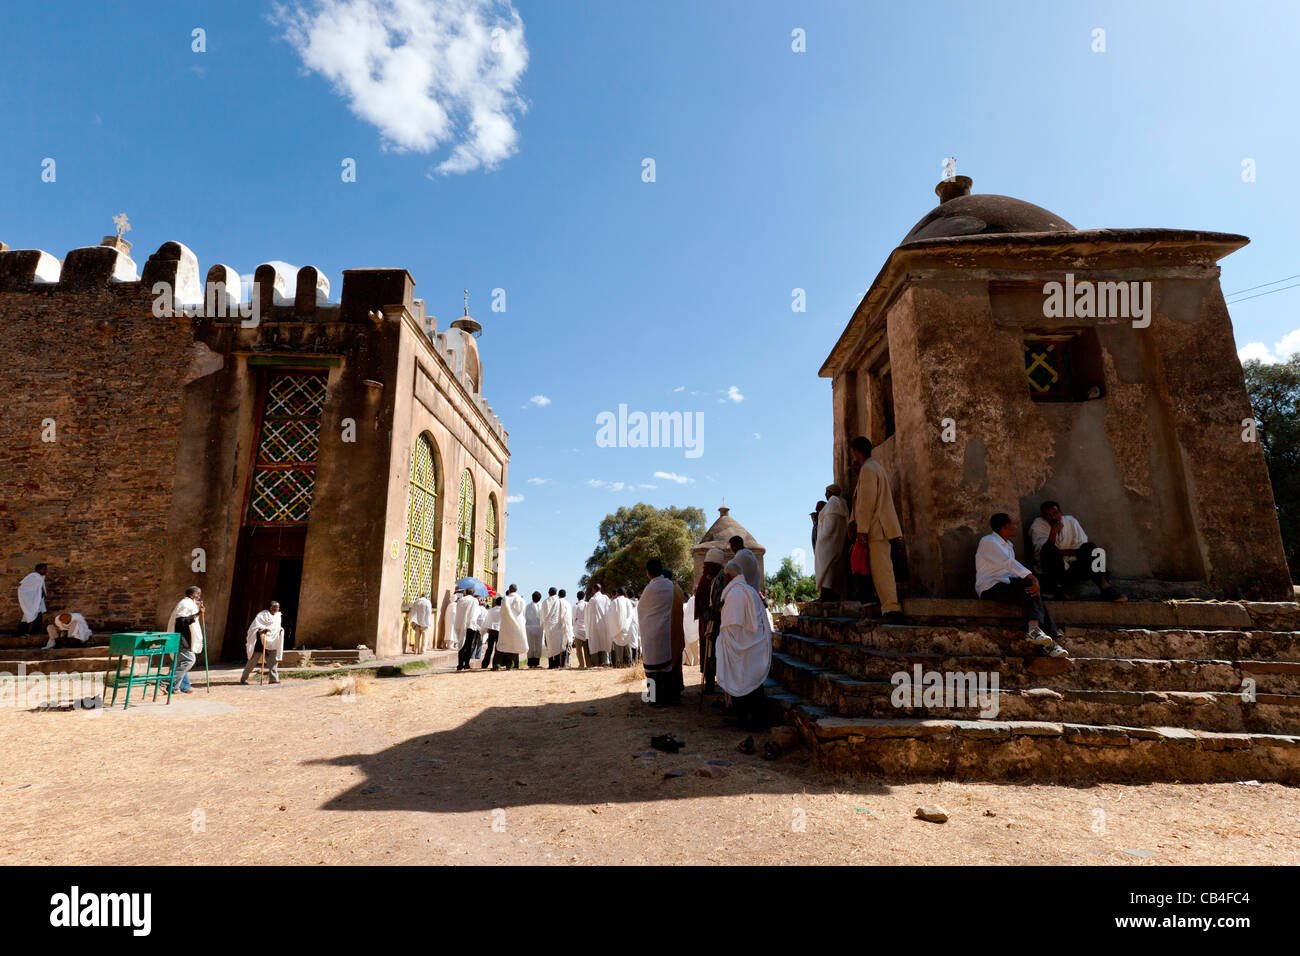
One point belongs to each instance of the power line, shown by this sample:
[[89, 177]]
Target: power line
[[1269, 292], [1254, 287]]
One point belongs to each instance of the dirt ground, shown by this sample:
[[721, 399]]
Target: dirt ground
[[507, 767]]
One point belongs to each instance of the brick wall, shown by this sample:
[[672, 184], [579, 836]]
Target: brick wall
[[94, 503]]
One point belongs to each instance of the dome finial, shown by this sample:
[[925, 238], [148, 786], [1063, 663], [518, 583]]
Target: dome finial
[[952, 187], [465, 322]]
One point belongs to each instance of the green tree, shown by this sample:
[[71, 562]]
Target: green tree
[[1275, 398], [630, 537], [790, 583]]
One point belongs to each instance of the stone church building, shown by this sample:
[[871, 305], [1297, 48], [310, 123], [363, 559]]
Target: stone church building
[[338, 457], [1003, 357]]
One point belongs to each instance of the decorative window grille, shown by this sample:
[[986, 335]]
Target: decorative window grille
[[421, 522], [284, 473]]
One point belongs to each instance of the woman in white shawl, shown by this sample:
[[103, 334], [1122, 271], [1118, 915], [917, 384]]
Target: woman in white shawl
[[744, 646], [512, 640], [832, 535]]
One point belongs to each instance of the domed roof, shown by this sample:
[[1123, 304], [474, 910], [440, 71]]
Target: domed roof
[[726, 528], [960, 213]]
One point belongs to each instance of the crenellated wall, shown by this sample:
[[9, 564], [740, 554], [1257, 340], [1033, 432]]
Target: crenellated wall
[[156, 417]]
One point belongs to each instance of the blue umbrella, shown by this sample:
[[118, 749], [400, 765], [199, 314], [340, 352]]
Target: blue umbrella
[[473, 585]]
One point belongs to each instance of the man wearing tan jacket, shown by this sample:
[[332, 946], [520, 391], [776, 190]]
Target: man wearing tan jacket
[[876, 524]]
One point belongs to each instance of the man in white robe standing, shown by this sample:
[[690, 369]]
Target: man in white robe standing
[[566, 626], [265, 626], [419, 616], [832, 535], [31, 599], [744, 647], [533, 627], [512, 640], [618, 626], [466, 606], [691, 634], [553, 637], [184, 620], [598, 642], [580, 630], [659, 622]]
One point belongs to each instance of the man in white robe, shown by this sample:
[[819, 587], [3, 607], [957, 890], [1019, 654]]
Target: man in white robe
[[491, 630], [580, 631], [447, 620], [618, 626], [832, 535], [466, 606], [533, 627], [185, 621], [598, 642], [553, 637], [266, 627], [659, 622], [691, 632], [67, 629], [513, 637], [744, 647], [31, 600], [418, 617], [566, 627]]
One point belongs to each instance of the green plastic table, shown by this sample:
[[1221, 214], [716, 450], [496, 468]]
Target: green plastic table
[[152, 646]]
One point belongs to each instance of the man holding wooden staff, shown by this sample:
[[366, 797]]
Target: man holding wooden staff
[[265, 626]]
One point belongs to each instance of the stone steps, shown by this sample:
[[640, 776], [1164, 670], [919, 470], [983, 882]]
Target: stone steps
[[32, 642], [59, 665], [994, 640], [1153, 691], [1034, 750], [845, 695], [1034, 670]]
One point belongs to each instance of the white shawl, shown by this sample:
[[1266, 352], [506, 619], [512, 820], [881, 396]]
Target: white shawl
[[186, 607], [832, 527], [655, 621], [597, 611], [273, 642], [618, 623], [31, 596], [421, 612], [513, 636], [745, 641], [552, 615]]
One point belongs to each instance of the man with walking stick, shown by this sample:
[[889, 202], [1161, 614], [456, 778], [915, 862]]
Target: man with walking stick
[[184, 620], [265, 626]]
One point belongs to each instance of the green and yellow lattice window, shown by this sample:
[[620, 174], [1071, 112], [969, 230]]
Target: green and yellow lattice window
[[421, 522], [1047, 367], [284, 473], [490, 545], [465, 553]]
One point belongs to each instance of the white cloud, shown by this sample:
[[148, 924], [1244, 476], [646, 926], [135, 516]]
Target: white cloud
[[734, 395], [608, 485], [671, 476], [758, 435], [425, 73], [514, 499], [680, 388], [539, 481], [541, 401], [1286, 346], [651, 487]]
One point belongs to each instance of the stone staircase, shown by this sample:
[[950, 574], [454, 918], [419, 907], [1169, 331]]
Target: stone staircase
[[26, 651], [1191, 691]]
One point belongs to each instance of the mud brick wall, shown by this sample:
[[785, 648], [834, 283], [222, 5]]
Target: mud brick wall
[[94, 503]]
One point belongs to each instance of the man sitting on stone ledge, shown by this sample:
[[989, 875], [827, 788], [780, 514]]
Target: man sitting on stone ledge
[[68, 630], [1066, 555], [1000, 577]]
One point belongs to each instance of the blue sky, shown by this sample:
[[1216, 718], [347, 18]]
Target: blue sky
[[775, 170]]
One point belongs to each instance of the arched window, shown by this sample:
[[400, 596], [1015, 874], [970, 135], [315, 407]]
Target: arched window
[[465, 558], [421, 522], [490, 545]]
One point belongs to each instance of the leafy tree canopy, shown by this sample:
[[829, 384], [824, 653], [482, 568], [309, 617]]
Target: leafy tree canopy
[[1275, 398], [790, 583], [630, 537]]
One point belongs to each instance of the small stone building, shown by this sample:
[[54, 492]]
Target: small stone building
[[336, 456], [719, 535], [1003, 357]]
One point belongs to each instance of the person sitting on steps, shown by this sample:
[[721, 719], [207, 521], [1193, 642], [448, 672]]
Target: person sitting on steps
[[1066, 555], [1000, 577]]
